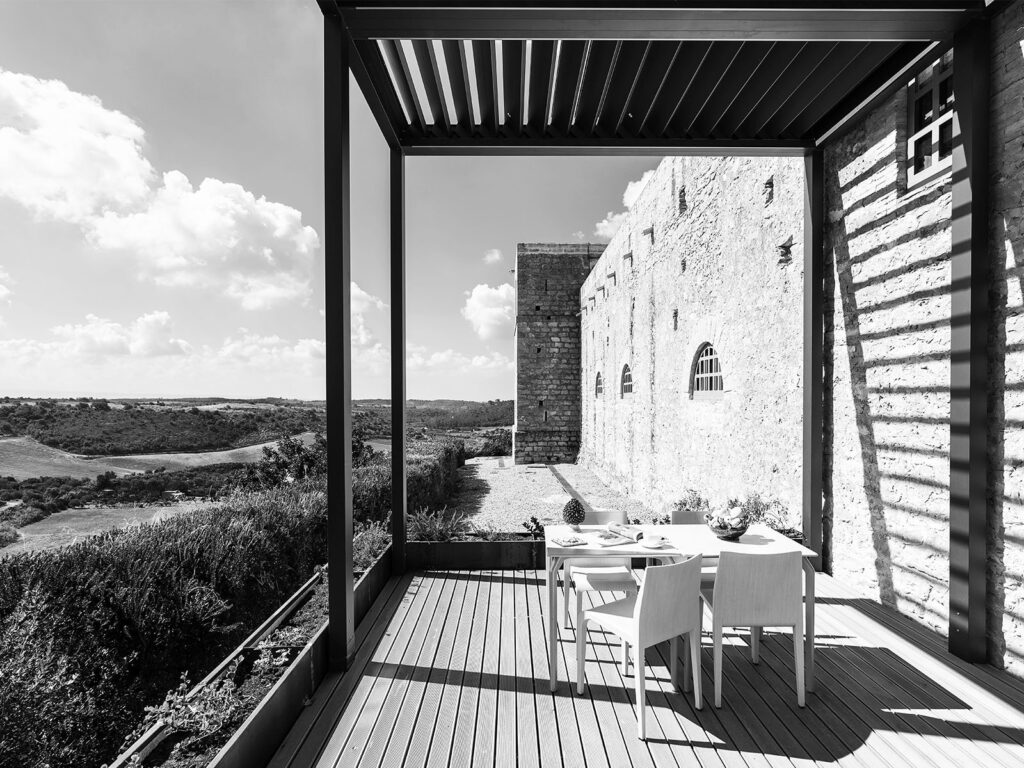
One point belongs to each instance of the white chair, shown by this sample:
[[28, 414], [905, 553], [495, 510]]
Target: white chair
[[756, 591], [667, 606], [588, 575]]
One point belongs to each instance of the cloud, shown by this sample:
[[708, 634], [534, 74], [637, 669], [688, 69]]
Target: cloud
[[609, 225], [5, 287], [149, 335], [579, 235], [490, 311], [362, 303], [493, 256], [66, 157], [634, 188], [449, 361]]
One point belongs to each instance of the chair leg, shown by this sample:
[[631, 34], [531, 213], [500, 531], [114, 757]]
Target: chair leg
[[565, 596], [673, 664], [698, 699], [687, 663], [755, 644], [625, 657], [798, 662], [640, 672], [581, 653], [718, 665]]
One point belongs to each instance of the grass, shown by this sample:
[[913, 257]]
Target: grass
[[73, 525], [23, 458]]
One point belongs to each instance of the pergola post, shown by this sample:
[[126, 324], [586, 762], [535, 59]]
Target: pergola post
[[971, 278], [337, 304], [814, 340], [398, 447]]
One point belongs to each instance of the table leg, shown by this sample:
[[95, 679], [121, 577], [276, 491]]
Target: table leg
[[809, 625], [553, 565]]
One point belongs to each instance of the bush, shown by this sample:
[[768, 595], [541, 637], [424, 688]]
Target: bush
[[431, 478], [93, 633], [368, 543], [424, 525], [7, 534], [496, 442], [693, 506]]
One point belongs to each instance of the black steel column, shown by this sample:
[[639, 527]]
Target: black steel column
[[337, 304], [814, 340], [971, 277], [398, 478]]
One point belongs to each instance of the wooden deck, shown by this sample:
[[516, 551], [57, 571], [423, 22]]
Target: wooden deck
[[451, 670]]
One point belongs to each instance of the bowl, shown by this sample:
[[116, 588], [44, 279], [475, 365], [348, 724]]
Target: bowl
[[728, 531]]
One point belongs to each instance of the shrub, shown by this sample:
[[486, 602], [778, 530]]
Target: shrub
[[693, 506], [7, 534], [496, 442], [368, 543], [425, 525], [93, 633]]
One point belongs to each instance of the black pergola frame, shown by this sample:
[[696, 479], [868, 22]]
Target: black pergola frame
[[961, 25]]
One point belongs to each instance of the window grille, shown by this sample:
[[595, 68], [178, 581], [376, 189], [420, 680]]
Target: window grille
[[627, 381], [930, 140], [598, 386], [706, 380]]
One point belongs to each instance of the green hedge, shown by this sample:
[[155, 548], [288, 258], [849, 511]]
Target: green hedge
[[91, 633]]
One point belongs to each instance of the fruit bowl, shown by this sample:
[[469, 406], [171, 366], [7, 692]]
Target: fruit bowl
[[727, 529]]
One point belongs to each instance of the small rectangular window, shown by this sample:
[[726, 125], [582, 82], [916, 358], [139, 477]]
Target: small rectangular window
[[675, 319], [930, 134]]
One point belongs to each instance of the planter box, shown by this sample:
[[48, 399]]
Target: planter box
[[369, 584], [520, 554], [259, 737]]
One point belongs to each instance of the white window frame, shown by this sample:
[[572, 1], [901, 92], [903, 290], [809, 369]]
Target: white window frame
[[941, 73]]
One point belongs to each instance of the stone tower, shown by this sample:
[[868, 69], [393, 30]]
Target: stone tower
[[548, 280]]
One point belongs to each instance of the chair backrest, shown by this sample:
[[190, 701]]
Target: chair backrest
[[760, 590], [669, 601]]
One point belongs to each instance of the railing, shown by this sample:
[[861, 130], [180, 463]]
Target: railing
[[256, 740]]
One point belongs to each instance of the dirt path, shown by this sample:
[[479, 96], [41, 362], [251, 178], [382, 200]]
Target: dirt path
[[499, 495]]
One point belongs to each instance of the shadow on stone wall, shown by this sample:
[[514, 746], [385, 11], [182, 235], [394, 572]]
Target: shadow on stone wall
[[862, 406]]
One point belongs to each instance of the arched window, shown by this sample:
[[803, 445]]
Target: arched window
[[598, 386], [626, 387], [706, 374]]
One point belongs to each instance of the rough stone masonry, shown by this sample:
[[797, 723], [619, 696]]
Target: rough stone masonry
[[711, 254]]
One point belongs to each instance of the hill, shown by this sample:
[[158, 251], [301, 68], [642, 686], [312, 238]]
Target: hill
[[23, 458]]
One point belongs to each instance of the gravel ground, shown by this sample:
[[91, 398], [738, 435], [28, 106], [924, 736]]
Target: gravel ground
[[496, 494]]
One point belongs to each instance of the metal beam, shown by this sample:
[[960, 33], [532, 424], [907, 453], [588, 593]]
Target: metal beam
[[608, 147], [600, 21], [888, 77], [337, 302], [398, 447], [814, 341], [971, 280]]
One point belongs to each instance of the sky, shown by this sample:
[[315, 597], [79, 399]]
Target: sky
[[161, 213]]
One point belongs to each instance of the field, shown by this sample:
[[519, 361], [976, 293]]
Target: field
[[23, 458], [76, 524], [171, 461]]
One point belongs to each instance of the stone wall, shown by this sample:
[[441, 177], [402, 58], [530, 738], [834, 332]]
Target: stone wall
[[1006, 350], [698, 260], [547, 344], [888, 363]]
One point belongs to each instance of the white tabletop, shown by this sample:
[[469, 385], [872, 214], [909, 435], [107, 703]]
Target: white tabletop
[[683, 541]]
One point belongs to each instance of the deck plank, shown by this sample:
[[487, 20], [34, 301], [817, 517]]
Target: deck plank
[[448, 707], [453, 672], [465, 724], [423, 702]]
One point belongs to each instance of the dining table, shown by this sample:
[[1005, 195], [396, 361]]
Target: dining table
[[680, 542]]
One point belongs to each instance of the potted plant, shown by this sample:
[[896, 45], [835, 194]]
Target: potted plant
[[573, 513]]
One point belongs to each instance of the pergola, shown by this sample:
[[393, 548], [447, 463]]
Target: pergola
[[600, 78]]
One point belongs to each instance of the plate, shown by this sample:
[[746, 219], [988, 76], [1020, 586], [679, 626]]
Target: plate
[[652, 544]]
